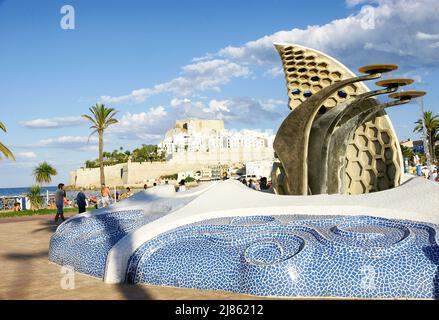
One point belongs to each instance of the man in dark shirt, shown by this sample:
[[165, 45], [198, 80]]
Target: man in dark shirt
[[263, 184], [59, 201], [81, 201]]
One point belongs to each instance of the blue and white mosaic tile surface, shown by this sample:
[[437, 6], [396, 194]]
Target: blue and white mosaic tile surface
[[84, 242], [296, 256]]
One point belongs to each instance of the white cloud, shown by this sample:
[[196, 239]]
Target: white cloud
[[353, 3], [27, 155], [130, 120], [147, 126], [68, 142], [272, 104], [19, 164], [197, 77], [427, 36], [238, 110], [175, 102], [53, 123], [274, 72], [390, 31], [150, 126], [383, 31]]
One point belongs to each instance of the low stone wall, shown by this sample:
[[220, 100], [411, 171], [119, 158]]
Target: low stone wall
[[140, 173], [90, 178], [136, 174]]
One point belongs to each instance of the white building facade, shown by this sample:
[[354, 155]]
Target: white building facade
[[206, 141]]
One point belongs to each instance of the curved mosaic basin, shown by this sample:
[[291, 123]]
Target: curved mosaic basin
[[294, 255], [83, 243]]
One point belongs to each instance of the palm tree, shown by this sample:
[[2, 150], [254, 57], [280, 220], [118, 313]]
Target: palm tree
[[3, 149], [43, 173], [432, 124], [35, 197], [101, 118], [407, 153]]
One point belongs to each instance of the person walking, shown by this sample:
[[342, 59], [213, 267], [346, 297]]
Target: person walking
[[182, 186], [105, 193], [129, 193], [263, 184], [81, 201], [251, 184], [60, 196]]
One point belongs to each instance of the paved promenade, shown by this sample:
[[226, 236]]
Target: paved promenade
[[26, 272]]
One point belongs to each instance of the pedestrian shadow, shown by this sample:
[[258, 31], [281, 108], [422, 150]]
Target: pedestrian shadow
[[23, 269], [26, 256], [128, 291], [133, 292], [110, 229], [47, 226]]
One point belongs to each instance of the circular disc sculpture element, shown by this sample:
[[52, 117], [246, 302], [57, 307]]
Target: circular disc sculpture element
[[407, 95], [307, 72], [378, 68], [394, 83]]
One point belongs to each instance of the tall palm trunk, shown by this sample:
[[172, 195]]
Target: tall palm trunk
[[431, 142], [101, 155]]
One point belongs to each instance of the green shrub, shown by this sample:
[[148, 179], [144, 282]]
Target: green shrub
[[170, 177], [189, 179], [35, 197]]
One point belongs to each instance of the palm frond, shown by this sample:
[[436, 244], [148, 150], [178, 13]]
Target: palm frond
[[2, 127], [3, 149], [91, 134]]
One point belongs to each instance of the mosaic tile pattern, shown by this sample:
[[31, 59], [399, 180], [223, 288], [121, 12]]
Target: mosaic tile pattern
[[84, 242], [296, 256]]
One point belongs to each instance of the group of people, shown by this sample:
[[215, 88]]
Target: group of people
[[82, 201], [260, 185], [181, 185], [424, 171], [430, 176]]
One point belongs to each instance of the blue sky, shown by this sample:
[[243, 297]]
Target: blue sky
[[156, 61]]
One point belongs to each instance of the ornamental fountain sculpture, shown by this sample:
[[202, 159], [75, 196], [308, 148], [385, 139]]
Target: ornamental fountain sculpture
[[309, 237]]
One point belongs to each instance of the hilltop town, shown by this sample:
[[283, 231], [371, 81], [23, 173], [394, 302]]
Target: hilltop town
[[203, 149]]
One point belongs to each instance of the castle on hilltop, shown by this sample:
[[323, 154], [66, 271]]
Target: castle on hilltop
[[192, 145]]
